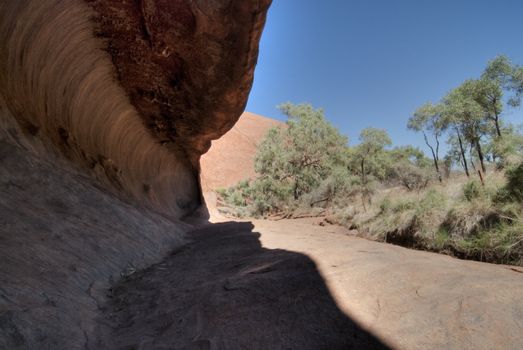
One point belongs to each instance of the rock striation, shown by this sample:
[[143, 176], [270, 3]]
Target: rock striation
[[105, 109], [132, 91]]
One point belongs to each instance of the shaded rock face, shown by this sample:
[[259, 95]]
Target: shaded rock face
[[63, 239], [132, 91], [95, 95]]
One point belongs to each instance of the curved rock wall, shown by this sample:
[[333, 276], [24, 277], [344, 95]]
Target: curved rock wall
[[97, 95], [133, 91]]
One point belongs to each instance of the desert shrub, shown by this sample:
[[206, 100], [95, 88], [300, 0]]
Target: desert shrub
[[385, 205], [260, 206], [410, 176], [345, 216], [509, 148], [470, 218], [335, 189], [502, 195], [407, 221], [303, 163], [237, 198], [501, 244], [403, 205], [441, 240], [472, 190], [221, 191], [514, 184]]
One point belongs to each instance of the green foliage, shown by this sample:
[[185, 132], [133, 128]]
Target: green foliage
[[508, 75], [308, 166], [305, 160], [410, 154], [515, 182], [410, 175], [368, 159], [499, 69], [509, 148], [472, 190], [373, 140], [426, 118], [516, 85], [221, 191]]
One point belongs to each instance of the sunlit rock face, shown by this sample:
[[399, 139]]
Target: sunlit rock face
[[132, 91]]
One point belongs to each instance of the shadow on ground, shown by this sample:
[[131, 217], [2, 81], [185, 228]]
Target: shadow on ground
[[224, 291], [63, 239]]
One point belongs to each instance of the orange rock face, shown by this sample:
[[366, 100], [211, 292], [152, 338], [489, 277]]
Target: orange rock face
[[105, 109], [187, 66], [231, 158], [131, 91]]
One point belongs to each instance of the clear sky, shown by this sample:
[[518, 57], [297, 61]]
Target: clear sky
[[373, 62]]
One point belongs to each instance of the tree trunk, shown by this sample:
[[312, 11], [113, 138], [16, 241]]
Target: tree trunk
[[472, 163], [463, 153], [363, 177], [471, 157], [496, 122], [434, 155], [480, 156], [481, 178]]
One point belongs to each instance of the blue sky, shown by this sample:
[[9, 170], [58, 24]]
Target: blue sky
[[373, 62]]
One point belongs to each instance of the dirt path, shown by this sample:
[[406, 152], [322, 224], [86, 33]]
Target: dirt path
[[294, 285]]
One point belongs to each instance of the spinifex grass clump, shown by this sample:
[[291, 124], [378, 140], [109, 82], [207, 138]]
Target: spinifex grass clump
[[473, 224]]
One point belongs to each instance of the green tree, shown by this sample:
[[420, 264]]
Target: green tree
[[368, 158], [294, 161], [489, 95], [509, 149], [456, 151], [508, 75], [427, 120], [408, 166], [516, 85], [311, 147], [500, 69], [466, 116]]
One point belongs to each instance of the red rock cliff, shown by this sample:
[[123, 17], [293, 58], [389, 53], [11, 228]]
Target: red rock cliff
[[133, 91]]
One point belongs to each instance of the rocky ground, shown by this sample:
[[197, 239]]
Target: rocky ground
[[410, 299], [292, 284], [226, 291]]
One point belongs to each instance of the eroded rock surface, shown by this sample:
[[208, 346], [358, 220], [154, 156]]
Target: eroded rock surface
[[133, 91], [63, 241], [187, 66], [105, 109]]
